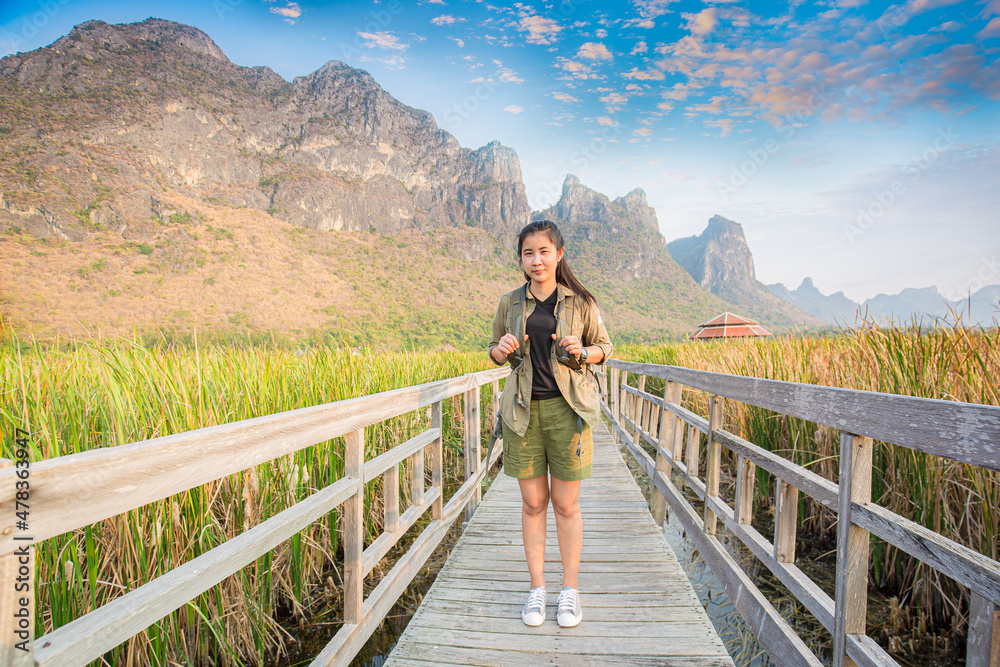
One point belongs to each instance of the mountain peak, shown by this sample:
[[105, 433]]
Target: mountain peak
[[155, 30], [720, 225], [582, 205], [634, 200]]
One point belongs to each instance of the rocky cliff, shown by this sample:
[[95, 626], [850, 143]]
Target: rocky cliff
[[625, 230], [720, 260], [107, 117], [616, 246]]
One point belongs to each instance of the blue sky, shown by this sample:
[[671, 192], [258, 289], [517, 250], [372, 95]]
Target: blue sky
[[856, 142]]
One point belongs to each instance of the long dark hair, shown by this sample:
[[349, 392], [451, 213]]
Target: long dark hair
[[563, 273]]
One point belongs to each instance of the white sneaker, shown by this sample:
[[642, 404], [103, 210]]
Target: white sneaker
[[570, 613], [533, 613]]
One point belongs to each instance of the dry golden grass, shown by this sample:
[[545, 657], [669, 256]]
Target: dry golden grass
[[232, 269], [956, 500]]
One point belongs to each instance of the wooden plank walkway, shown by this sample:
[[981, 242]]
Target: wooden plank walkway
[[638, 606]]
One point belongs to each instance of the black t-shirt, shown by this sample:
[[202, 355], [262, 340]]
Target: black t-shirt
[[540, 326]]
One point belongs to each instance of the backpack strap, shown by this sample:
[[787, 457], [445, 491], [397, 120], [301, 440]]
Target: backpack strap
[[563, 329], [520, 297]]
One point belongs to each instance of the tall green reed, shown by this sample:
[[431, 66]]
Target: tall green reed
[[946, 362], [82, 395]]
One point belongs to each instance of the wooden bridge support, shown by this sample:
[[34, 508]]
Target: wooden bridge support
[[473, 427], [851, 615], [17, 574], [983, 648]]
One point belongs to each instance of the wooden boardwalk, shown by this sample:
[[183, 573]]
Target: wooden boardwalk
[[638, 606]]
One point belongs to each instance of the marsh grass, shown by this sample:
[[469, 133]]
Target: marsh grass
[[957, 500], [77, 396]]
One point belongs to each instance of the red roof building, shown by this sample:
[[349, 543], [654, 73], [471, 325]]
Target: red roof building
[[728, 325]]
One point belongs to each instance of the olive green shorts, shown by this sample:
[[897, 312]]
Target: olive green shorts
[[549, 444]]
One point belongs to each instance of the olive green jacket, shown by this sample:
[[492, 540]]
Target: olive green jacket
[[577, 384]]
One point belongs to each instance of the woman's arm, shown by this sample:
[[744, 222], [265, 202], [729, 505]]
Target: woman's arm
[[498, 353], [595, 333]]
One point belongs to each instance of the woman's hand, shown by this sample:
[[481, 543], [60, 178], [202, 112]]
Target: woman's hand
[[572, 344], [506, 345]]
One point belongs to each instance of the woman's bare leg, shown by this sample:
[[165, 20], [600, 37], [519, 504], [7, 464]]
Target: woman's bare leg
[[569, 527], [534, 506]]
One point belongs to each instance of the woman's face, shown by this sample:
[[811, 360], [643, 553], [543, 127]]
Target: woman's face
[[539, 258]]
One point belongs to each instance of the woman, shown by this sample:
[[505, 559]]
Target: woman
[[549, 329]]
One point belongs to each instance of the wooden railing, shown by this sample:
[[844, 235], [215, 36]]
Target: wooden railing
[[960, 431], [70, 492]]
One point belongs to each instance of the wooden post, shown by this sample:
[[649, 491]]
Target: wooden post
[[646, 418], [678, 447], [786, 519], [693, 460], [746, 475], [437, 462], [496, 404], [417, 478], [983, 649], [354, 574], [668, 426], [390, 499], [614, 394], [851, 611], [637, 409], [714, 465], [17, 602], [472, 462], [622, 398]]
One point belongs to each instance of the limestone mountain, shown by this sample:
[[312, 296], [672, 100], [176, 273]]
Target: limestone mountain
[[835, 308], [926, 304], [720, 260], [616, 246], [98, 124], [148, 183]]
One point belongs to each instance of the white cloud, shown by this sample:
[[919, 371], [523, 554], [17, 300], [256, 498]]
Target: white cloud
[[564, 97], [606, 121], [652, 74], [461, 44], [574, 69], [382, 40], [445, 19], [291, 11], [640, 48], [640, 23], [992, 29], [703, 22], [513, 108], [614, 101], [541, 30], [652, 8], [724, 125], [506, 74], [594, 51], [601, 33]]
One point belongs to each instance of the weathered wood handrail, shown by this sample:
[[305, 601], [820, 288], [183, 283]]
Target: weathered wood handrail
[[963, 432], [70, 492]]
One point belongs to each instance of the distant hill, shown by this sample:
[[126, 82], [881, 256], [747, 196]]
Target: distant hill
[[835, 309], [720, 261], [911, 303]]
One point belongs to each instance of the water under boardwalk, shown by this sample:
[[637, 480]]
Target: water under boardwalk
[[638, 606]]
